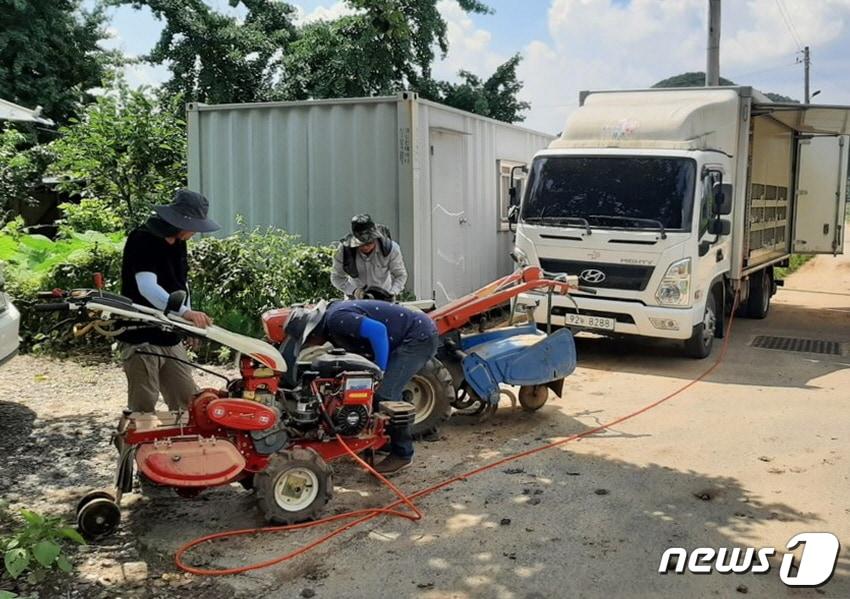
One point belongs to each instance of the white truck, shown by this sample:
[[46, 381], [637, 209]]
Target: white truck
[[668, 202]]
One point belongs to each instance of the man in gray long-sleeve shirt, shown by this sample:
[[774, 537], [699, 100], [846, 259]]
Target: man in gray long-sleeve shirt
[[368, 258]]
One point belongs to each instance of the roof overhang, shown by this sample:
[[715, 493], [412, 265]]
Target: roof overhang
[[12, 112]]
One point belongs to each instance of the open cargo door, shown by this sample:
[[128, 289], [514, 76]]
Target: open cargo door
[[821, 184], [821, 192]]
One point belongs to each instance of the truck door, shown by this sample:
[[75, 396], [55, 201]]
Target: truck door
[[820, 195]]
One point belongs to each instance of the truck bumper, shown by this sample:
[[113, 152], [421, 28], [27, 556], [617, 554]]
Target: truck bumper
[[631, 318]]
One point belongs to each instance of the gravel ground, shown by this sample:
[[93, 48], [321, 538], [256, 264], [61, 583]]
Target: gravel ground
[[57, 418], [56, 434]]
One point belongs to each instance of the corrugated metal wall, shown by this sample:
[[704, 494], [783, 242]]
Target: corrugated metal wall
[[304, 167], [486, 248]]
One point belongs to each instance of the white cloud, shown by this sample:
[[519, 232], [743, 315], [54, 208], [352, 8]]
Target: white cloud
[[322, 13], [469, 46], [606, 44], [139, 74]]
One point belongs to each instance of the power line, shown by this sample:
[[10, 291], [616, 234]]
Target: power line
[[736, 76], [786, 17]]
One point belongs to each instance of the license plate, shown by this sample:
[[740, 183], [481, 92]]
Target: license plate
[[589, 322]]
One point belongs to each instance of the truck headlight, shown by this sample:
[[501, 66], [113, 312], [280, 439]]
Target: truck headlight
[[675, 287]]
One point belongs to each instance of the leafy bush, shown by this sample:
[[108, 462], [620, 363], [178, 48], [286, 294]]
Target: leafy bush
[[794, 264], [91, 214], [35, 263], [237, 278], [37, 547]]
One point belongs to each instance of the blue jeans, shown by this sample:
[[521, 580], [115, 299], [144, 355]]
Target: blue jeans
[[404, 362]]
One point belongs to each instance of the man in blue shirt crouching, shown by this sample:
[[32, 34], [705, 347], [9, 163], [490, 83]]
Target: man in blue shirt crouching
[[400, 341]]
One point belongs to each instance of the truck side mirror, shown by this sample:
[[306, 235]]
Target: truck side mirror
[[720, 227], [513, 216], [512, 196], [722, 198]]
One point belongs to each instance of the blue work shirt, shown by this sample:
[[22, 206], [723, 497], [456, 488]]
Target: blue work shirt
[[344, 324]]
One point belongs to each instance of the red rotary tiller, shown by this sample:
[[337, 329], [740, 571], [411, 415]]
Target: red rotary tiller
[[277, 441]]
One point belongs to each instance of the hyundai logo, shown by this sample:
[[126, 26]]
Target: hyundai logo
[[592, 275]]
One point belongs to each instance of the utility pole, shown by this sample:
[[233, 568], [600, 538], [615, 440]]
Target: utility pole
[[806, 62], [712, 64]]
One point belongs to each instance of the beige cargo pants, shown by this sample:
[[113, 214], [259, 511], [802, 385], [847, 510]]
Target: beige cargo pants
[[148, 376]]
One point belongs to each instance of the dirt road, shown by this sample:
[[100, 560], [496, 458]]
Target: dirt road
[[749, 458]]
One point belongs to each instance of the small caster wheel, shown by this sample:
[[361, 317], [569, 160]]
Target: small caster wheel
[[91, 496], [98, 517], [533, 397]]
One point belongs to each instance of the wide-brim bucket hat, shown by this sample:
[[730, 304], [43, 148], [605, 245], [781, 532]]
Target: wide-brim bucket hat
[[188, 212]]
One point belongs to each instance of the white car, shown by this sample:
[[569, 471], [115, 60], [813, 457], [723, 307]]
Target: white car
[[10, 321]]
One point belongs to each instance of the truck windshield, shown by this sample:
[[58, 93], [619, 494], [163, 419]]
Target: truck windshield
[[640, 192]]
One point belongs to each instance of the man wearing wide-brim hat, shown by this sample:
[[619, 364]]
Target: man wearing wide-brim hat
[[367, 263], [155, 264]]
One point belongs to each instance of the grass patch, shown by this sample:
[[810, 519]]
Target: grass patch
[[794, 264]]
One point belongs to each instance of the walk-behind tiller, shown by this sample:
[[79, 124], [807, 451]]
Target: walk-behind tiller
[[480, 350], [275, 440]]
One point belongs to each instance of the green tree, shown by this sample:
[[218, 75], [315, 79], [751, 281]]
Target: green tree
[[127, 150], [380, 49], [22, 165], [691, 79], [495, 98], [217, 58], [780, 98], [697, 79], [49, 54]]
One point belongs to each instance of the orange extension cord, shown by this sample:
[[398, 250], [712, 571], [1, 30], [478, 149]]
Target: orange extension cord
[[359, 517]]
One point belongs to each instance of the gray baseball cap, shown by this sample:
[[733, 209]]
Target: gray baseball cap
[[188, 212]]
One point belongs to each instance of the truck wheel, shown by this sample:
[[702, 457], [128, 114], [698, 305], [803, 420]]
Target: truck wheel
[[294, 487], [432, 393], [533, 397], [702, 340], [761, 289]]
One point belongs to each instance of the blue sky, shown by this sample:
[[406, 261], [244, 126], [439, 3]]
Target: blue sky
[[570, 45]]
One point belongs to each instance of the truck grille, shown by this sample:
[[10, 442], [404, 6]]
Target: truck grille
[[616, 276]]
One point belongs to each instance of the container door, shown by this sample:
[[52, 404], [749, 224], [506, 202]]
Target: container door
[[820, 195], [449, 232]]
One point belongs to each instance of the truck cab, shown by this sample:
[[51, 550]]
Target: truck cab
[[668, 204]]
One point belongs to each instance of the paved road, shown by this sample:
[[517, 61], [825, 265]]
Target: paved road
[[749, 458]]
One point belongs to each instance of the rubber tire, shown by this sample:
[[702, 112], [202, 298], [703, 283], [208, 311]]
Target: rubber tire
[[699, 346], [106, 522], [533, 397], [761, 289], [279, 463], [91, 496], [438, 378]]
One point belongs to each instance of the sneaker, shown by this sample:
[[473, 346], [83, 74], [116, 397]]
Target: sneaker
[[392, 464]]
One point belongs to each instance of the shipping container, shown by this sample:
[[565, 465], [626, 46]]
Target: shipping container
[[438, 177]]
